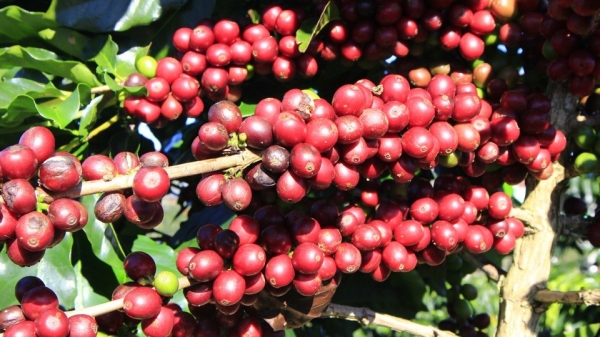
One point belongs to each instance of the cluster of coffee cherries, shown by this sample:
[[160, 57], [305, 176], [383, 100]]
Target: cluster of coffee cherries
[[27, 227], [38, 314], [376, 30], [141, 205], [171, 92], [572, 44], [220, 53], [586, 161], [370, 129], [145, 305], [463, 320], [277, 252]]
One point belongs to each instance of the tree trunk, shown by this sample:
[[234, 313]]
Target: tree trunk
[[519, 314]]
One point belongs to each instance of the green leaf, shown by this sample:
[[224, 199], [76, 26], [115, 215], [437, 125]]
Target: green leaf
[[17, 24], [54, 269], [48, 62], [164, 257], [60, 110], [247, 109], [67, 41], [101, 49], [103, 239], [107, 57], [64, 112], [89, 115], [14, 87], [112, 84], [311, 27], [86, 296], [109, 15]]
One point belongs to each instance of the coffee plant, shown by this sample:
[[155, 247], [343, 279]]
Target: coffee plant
[[300, 168]]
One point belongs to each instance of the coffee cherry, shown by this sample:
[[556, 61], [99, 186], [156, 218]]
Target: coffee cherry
[[146, 65], [34, 231], [126, 162], [10, 316], [142, 303], [64, 214], [228, 288], [97, 167], [166, 283], [21, 256], [19, 196], [205, 266], [82, 325], [236, 194], [18, 162], [109, 208], [40, 140], [140, 267], [279, 271], [24, 328], [159, 325], [60, 173], [214, 136], [38, 300], [25, 284], [249, 259], [151, 183], [52, 323], [348, 258]]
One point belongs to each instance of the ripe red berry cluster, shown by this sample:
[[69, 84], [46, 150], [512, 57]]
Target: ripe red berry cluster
[[369, 129], [276, 252], [148, 306], [171, 93], [38, 314], [150, 183], [27, 228], [376, 30], [220, 54]]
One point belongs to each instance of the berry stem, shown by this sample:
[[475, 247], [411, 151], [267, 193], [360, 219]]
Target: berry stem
[[244, 158], [103, 126], [110, 306], [367, 316], [101, 89]]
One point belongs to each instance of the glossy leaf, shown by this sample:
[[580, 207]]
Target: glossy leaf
[[85, 293], [109, 15], [107, 57], [17, 24], [48, 62], [103, 239], [247, 109], [88, 117], [60, 110], [54, 269], [10, 89], [311, 27]]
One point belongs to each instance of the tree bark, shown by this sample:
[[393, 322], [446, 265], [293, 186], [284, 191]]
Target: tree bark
[[519, 315]]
